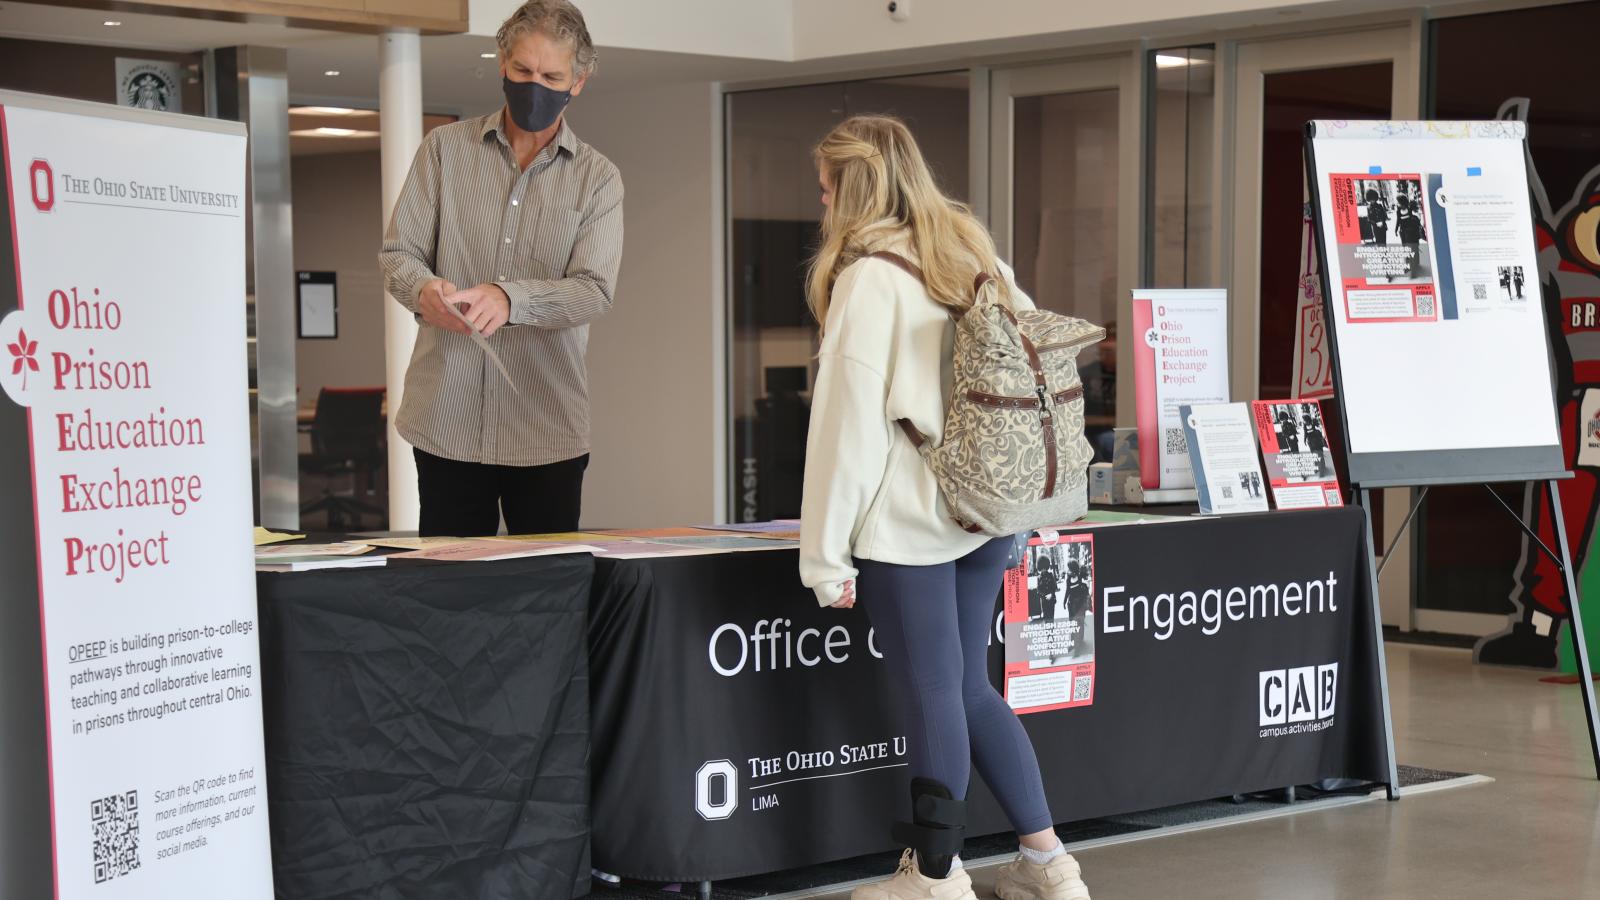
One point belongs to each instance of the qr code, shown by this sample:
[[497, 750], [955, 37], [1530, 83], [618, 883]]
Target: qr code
[[1176, 441], [1480, 292], [1425, 306], [1082, 688], [1227, 492], [116, 835]]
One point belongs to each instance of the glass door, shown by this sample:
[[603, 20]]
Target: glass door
[[1065, 204], [1280, 84]]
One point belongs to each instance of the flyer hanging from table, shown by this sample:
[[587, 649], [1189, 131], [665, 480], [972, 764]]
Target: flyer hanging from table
[[1049, 624], [125, 315]]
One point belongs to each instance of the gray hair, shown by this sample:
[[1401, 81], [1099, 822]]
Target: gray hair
[[558, 19]]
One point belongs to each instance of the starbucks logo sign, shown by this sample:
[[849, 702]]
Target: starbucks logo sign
[[150, 84]]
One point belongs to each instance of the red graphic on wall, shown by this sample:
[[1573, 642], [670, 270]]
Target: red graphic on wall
[[22, 353], [1569, 271], [43, 182]]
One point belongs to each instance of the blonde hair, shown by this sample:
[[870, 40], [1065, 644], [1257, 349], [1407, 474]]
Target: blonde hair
[[883, 190], [557, 19]]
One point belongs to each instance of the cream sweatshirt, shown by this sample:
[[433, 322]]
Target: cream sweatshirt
[[886, 355]]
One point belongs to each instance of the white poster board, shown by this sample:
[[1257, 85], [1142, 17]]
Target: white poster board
[[1426, 235], [124, 320]]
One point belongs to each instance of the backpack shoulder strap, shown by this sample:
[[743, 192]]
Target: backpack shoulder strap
[[909, 267]]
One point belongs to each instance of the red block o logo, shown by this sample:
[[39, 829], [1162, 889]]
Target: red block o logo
[[43, 182]]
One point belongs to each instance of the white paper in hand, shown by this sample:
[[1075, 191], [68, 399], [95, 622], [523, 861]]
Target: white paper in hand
[[483, 342]]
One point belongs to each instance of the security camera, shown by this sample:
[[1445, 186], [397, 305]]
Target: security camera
[[899, 10]]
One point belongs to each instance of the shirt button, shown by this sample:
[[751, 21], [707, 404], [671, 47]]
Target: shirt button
[[515, 202], [501, 278], [508, 240]]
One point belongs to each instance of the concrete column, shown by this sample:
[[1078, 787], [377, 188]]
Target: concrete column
[[400, 121]]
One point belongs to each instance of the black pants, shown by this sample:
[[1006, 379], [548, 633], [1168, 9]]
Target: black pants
[[462, 499]]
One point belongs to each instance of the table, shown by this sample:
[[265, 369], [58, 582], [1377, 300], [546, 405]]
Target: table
[[739, 729], [427, 729]]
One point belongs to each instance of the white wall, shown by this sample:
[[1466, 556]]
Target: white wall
[[749, 29], [656, 361]]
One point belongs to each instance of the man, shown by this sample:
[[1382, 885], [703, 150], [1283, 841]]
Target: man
[[516, 224]]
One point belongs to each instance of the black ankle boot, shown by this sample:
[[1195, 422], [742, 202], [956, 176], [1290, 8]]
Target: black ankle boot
[[938, 825]]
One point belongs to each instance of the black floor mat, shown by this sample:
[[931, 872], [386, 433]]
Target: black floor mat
[[881, 864]]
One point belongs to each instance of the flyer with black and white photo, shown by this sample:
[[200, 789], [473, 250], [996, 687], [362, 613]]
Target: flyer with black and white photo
[[1049, 624], [1299, 457], [1222, 449], [1385, 249]]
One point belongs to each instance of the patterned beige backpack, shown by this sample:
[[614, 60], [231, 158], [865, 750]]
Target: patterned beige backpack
[[1014, 457]]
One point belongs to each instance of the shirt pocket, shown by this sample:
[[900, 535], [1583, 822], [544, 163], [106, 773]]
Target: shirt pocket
[[553, 239]]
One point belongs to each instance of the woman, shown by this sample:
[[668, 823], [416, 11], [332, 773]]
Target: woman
[[873, 524]]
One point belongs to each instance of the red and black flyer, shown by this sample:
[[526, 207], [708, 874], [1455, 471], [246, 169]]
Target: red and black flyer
[[1385, 248], [1294, 446], [1049, 624]]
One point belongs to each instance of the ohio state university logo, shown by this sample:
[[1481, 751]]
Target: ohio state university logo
[[42, 182]]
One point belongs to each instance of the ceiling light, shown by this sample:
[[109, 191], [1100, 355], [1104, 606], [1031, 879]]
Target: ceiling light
[[331, 73], [112, 23], [325, 111], [1168, 61], [332, 133], [487, 55]]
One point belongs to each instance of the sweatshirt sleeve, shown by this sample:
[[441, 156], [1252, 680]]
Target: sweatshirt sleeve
[[1020, 301], [847, 448]]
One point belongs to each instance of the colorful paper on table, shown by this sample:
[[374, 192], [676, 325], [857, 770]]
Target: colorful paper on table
[[780, 526], [308, 551], [264, 537], [308, 563], [486, 550], [726, 543], [636, 549], [653, 534], [561, 537], [415, 543]]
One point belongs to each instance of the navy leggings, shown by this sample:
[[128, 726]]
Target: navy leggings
[[933, 625]]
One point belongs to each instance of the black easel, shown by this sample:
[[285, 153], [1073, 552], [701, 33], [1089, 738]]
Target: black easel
[[1410, 470]]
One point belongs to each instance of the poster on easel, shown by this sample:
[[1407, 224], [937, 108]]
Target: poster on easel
[[122, 307], [1424, 228]]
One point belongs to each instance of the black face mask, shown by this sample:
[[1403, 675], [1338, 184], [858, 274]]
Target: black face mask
[[533, 106]]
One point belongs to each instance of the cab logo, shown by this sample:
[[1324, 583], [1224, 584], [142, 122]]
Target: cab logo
[[1295, 696]]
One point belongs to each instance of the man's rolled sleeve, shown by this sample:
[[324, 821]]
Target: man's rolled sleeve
[[407, 257]]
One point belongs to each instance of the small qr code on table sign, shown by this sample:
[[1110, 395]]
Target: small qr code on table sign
[[1425, 306], [1480, 292], [1176, 441]]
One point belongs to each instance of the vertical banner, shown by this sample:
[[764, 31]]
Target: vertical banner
[[1180, 357], [124, 322], [1049, 624]]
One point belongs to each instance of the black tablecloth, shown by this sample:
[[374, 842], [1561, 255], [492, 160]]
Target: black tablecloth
[[707, 774], [427, 730]]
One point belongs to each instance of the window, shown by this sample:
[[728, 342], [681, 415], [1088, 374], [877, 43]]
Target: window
[[773, 212]]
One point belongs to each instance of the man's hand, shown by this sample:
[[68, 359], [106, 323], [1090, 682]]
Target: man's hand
[[431, 304], [486, 306]]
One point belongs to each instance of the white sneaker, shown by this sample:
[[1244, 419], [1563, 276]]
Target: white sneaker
[[1058, 879], [909, 883]]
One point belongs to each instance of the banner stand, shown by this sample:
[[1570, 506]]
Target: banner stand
[[1445, 466]]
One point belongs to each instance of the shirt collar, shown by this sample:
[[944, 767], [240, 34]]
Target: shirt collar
[[490, 124]]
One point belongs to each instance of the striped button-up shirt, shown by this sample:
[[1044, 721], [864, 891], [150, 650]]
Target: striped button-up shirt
[[551, 237]]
